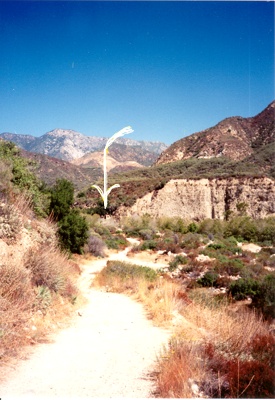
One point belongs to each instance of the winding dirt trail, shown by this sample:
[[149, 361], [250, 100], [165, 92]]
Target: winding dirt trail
[[107, 352]]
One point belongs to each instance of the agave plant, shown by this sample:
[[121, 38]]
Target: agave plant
[[105, 192]]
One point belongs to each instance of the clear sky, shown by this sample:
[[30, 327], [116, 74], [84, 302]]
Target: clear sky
[[168, 69]]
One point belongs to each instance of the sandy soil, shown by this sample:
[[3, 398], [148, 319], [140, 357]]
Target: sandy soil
[[108, 351]]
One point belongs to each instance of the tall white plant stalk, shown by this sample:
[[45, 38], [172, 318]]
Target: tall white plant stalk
[[105, 192]]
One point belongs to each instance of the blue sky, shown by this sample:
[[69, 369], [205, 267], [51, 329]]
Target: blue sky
[[168, 69]]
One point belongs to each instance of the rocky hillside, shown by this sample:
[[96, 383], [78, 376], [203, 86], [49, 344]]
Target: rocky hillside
[[207, 198], [235, 138], [68, 145]]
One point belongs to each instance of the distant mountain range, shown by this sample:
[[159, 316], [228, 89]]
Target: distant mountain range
[[69, 145], [235, 138], [246, 143]]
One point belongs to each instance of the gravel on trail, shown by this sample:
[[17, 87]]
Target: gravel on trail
[[108, 351]]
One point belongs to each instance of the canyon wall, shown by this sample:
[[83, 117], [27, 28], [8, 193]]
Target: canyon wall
[[207, 198]]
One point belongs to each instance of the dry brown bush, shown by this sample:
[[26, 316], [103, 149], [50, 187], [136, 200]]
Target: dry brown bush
[[17, 298], [48, 267], [11, 222], [206, 323], [180, 367], [229, 330]]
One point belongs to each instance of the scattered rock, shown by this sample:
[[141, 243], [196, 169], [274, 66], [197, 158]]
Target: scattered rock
[[253, 248], [203, 258]]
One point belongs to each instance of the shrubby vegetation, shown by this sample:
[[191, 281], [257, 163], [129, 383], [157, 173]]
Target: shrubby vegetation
[[16, 177], [72, 227], [136, 183], [242, 273], [228, 353]]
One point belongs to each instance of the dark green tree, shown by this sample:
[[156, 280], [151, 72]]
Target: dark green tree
[[73, 231], [62, 196]]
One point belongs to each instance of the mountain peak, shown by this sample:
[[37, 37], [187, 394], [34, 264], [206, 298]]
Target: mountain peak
[[67, 144]]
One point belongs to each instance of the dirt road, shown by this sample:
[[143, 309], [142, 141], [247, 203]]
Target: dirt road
[[107, 352]]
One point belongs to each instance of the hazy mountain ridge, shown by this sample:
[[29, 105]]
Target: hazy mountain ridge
[[68, 144], [235, 138], [120, 157]]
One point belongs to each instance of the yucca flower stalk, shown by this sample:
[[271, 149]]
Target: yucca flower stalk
[[105, 192]]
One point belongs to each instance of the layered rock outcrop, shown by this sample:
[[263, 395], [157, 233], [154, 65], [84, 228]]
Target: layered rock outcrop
[[208, 198]]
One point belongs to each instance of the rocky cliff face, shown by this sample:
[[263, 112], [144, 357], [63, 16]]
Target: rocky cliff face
[[207, 198]]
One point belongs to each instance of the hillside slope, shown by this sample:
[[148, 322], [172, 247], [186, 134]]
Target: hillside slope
[[49, 169], [235, 138]]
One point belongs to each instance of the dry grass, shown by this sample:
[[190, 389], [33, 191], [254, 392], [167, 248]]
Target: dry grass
[[35, 297], [210, 344], [207, 348], [49, 268], [180, 367], [159, 296], [232, 330]]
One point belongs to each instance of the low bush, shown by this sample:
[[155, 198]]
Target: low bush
[[96, 246], [262, 348], [11, 222], [116, 242], [264, 299], [235, 378], [262, 293], [209, 279], [175, 224], [49, 268], [178, 367], [148, 245], [192, 241], [127, 271], [147, 234], [243, 288], [178, 260]]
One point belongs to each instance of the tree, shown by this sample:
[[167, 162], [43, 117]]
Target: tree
[[73, 231], [62, 196]]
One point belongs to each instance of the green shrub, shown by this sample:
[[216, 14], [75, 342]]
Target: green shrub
[[230, 266], [234, 266], [62, 196], [126, 271], [264, 299], [15, 172], [73, 232], [132, 226], [148, 245], [178, 260], [192, 227], [116, 242], [243, 288], [174, 224], [216, 246], [209, 279]]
